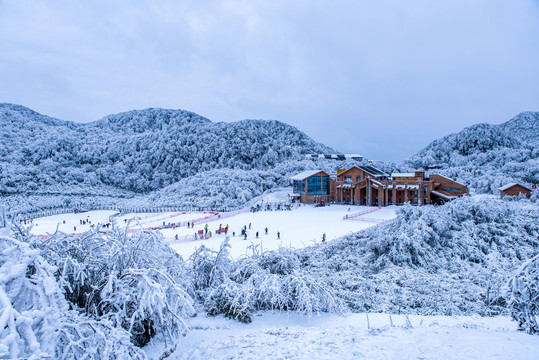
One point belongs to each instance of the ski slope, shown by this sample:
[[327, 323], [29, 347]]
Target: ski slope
[[297, 228]]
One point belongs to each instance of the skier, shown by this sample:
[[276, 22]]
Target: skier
[[278, 235], [257, 234], [245, 236], [324, 238], [249, 226], [266, 230]]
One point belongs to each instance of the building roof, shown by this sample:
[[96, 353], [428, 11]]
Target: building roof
[[403, 175], [377, 183], [455, 181], [368, 169], [508, 186], [443, 194], [372, 170], [305, 174]]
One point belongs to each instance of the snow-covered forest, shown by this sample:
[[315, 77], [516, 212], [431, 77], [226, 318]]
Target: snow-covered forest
[[153, 156], [178, 158], [486, 156], [137, 151]]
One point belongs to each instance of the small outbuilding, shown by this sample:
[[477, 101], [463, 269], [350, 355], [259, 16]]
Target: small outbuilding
[[514, 189]]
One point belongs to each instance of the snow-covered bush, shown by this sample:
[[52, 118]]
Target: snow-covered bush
[[272, 281], [133, 281], [265, 291], [524, 296], [80, 337], [210, 268], [32, 304], [35, 318], [451, 259]]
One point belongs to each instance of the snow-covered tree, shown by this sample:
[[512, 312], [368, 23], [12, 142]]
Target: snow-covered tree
[[524, 296], [131, 281]]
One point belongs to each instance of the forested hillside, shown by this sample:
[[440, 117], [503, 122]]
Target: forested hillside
[[136, 151], [486, 156]]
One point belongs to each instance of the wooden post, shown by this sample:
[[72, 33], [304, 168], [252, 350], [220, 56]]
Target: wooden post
[[405, 192]]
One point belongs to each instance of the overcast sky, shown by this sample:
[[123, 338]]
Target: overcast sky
[[380, 78]]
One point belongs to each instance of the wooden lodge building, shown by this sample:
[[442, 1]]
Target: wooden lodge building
[[366, 185], [514, 190]]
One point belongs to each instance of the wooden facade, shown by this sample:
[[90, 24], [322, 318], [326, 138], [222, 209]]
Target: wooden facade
[[514, 190], [365, 185]]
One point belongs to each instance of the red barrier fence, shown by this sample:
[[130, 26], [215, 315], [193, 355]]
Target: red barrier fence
[[355, 215]]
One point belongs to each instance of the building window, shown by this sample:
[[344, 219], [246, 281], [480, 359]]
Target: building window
[[348, 179], [325, 185], [415, 192], [358, 178], [318, 185], [299, 187], [451, 189], [425, 190]]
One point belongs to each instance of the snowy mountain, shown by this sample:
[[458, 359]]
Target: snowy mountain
[[136, 151], [487, 156]]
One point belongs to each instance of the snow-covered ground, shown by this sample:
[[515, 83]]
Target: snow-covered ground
[[289, 335], [160, 219], [297, 228], [70, 223]]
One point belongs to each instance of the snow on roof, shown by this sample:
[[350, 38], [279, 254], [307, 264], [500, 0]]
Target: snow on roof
[[377, 183], [443, 195], [505, 187], [305, 174], [455, 181], [372, 170], [403, 175]]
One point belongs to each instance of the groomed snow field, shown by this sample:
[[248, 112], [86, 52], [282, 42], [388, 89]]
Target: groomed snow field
[[300, 227]]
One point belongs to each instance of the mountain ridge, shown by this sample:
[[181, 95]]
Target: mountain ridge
[[138, 150], [486, 156]]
